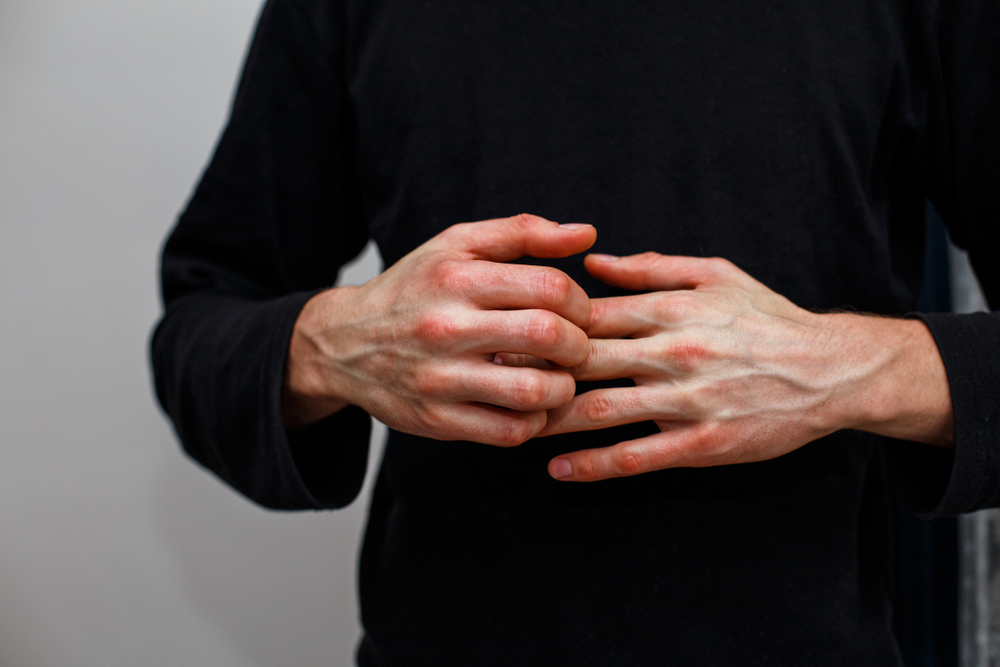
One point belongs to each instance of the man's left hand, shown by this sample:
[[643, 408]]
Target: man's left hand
[[732, 372]]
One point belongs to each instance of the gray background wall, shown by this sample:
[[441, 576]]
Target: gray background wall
[[115, 549]]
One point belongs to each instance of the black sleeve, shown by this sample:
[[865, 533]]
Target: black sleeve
[[277, 213], [962, 176]]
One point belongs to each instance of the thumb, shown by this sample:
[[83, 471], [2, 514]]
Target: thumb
[[507, 239], [652, 271]]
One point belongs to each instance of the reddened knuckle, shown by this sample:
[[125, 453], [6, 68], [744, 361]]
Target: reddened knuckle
[[628, 462], [544, 329], [598, 409], [437, 328], [586, 466], [687, 354], [514, 432], [529, 391], [553, 287], [451, 276]]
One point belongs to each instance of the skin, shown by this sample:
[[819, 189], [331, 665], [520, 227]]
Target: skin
[[730, 371], [415, 347]]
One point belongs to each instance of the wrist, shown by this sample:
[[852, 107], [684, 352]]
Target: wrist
[[308, 394], [894, 380]]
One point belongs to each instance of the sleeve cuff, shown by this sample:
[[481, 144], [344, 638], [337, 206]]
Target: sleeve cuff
[[331, 458], [325, 463], [939, 482], [220, 370]]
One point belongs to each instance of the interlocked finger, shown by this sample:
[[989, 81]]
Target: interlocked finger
[[613, 359], [505, 386], [540, 333], [492, 285], [507, 239], [485, 424], [604, 408]]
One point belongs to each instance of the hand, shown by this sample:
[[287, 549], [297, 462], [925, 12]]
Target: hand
[[416, 346], [732, 372]]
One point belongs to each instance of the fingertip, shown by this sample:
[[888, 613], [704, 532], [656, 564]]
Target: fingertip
[[600, 264], [584, 236]]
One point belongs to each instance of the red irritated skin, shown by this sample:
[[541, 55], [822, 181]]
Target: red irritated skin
[[415, 346], [732, 372]]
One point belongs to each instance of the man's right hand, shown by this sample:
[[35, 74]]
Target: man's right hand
[[415, 347]]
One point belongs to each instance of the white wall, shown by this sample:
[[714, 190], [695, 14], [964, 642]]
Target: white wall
[[115, 549]]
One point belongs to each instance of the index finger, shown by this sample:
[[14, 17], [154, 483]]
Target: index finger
[[492, 285], [507, 239]]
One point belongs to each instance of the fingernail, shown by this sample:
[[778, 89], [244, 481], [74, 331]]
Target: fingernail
[[561, 469], [573, 226], [604, 258]]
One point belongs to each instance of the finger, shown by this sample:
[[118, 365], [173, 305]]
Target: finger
[[484, 424], [643, 315], [493, 285], [538, 333], [614, 359], [653, 271], [604, 408], [507, 239], [520, 361], [623, 316], [656, 452], [526, 389]]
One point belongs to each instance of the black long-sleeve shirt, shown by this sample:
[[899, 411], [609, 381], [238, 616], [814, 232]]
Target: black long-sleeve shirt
[[799, 140]]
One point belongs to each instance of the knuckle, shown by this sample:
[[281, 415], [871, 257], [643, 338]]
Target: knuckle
[[721, 266], [687, 354], [437, 328], [543, 329], [514, 432], [711, 440], [529, 391], [451, 275], [628, 462], [598, 409], [434, 421], [431, 382], [585, 466], [523, 219], [456, 231], [552, 286]]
